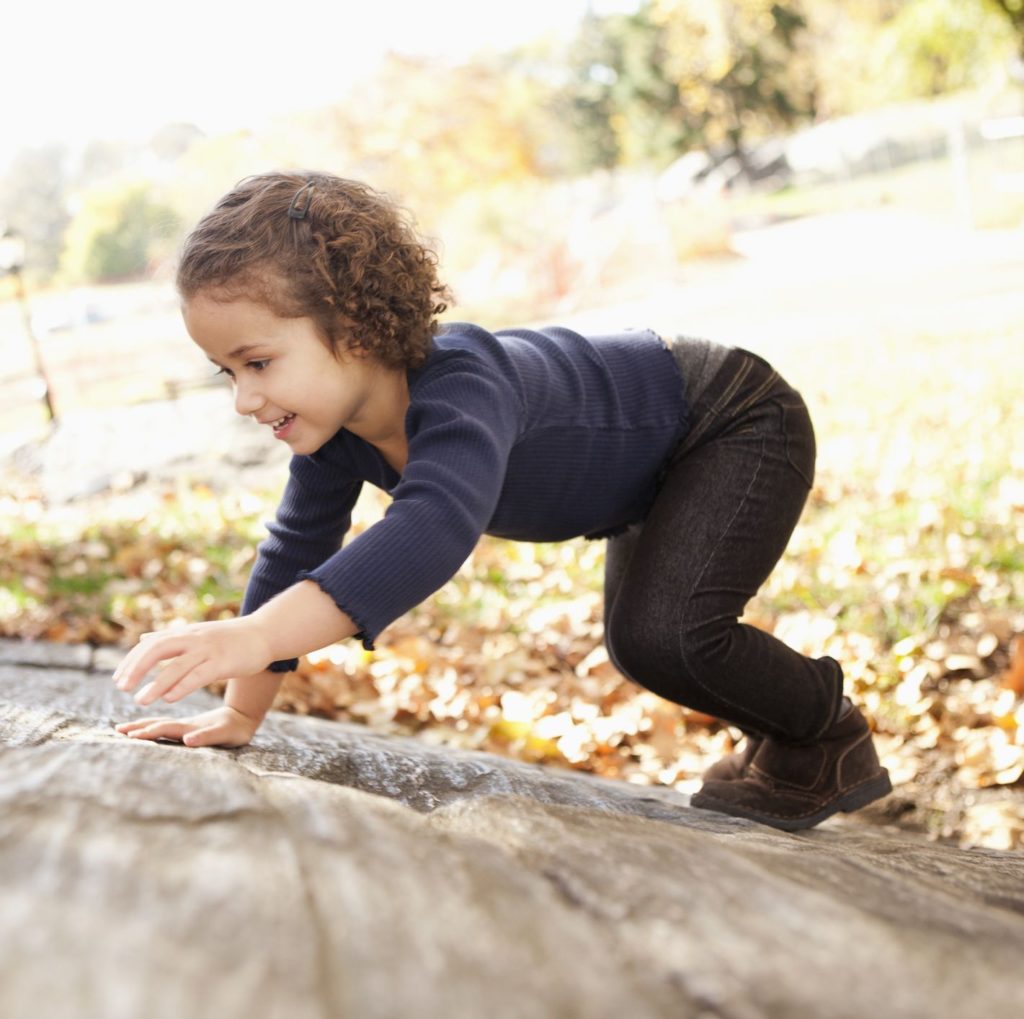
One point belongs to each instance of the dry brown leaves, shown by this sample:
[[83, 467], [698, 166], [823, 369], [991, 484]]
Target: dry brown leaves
[[508, 658]]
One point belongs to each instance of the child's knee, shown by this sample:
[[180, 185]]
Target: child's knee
[[644, 647], [628, 643]]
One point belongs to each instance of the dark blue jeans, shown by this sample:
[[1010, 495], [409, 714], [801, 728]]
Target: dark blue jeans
[[676, 584]]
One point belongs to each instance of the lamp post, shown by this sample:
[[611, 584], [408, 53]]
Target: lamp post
[[12, 261]]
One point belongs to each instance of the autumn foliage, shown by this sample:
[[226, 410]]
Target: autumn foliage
[[907, 567]]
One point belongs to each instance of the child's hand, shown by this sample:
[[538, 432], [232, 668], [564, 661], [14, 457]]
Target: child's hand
[[221, 727], [195, 655]]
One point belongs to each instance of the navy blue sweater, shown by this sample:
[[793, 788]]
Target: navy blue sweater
[[536, 436]]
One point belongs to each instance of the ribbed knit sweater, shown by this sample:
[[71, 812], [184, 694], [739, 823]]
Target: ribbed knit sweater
[[530, 435]]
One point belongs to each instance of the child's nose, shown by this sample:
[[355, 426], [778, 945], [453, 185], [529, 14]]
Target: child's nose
[[248, 399]]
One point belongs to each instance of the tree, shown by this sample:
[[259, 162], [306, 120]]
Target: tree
[[744, 66], [118, 232], [872, 52], [936, 46], [430, 132], [1014, 10], [585, 102], [33, 202], [620, 102], [675, 74]]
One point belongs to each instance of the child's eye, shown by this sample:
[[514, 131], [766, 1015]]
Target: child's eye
[[256, 366]]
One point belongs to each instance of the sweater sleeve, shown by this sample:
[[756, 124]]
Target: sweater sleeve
[[461, 424], [312, 519]]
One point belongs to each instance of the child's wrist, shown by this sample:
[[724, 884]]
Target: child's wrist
[[253, 718], [253, 696], [259, 633], [300, 619]]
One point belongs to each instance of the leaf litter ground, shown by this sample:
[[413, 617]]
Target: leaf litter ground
[[908, 567]]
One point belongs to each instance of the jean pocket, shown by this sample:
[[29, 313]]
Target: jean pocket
[[801, 449]]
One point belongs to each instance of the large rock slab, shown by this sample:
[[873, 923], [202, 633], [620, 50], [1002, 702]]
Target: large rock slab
[[328, 871]]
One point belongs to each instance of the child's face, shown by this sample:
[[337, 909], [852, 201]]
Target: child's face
[[284, 376]]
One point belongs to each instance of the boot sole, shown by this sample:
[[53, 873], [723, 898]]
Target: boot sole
[[854, 799]]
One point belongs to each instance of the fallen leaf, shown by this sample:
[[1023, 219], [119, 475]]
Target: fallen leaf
[[1013, 676]]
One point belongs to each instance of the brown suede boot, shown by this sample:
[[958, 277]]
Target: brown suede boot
[[734, 765], [793, 786]]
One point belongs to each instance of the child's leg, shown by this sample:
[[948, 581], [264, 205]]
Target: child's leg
[[722, 519], [619, 554]]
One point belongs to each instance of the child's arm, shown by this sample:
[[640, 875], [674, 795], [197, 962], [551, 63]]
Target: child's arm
[[298, 620]]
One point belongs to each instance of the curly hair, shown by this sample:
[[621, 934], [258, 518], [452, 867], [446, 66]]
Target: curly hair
[[340, 253]]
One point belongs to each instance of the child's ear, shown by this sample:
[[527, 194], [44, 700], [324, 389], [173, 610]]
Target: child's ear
[[348, 342], [347, 346]]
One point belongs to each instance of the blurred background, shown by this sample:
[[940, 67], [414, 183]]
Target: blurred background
[[837, 184]]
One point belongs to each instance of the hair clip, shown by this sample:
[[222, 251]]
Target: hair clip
[[294, 210]]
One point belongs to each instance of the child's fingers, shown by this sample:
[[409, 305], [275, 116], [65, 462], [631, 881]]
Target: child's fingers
[[129, 663], [126, 728], [196, 678], [126, 668], [206, 736], [127, 674], [121, 666], [160, 728], [136, 723], [144, 723], [144, 657], [182, 675]]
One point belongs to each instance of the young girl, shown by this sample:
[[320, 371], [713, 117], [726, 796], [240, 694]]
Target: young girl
[[318, 300]]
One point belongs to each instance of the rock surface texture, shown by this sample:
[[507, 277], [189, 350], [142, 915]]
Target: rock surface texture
[[325, 871]]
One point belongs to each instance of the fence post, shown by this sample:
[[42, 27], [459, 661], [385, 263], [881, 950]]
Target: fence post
[[12, 261], [957, 145]]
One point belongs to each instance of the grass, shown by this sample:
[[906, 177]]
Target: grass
[[993, 182], [114, 566]]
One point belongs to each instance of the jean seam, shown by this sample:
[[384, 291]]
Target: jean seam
[[834, 707], [714, 694], [707, 414], [785, 408], [756, 396], [734, 383]]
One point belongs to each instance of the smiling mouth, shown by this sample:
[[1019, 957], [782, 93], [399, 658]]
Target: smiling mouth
[[281, 423]]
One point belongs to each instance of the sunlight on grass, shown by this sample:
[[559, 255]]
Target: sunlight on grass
[[928, 187]]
